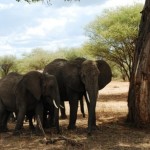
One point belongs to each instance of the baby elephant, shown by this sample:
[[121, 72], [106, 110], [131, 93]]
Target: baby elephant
[[24, 93]]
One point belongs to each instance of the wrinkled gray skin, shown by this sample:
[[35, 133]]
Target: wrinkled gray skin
[[74, 79], [23, 94]]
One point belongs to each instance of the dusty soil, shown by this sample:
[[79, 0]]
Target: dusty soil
[[112, 132]]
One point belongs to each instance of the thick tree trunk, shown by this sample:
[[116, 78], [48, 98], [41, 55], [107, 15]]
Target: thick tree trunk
[[139, 90]]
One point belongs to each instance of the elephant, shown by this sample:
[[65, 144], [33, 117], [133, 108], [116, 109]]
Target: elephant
[[26, 93], [103, 79], [76, 78]]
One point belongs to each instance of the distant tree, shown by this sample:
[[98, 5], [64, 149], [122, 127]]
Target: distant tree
[[71, 53], [113, 36], [7, 64], [36, 60]]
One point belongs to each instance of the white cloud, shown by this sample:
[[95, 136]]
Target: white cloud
[[75, 41], [6, 6], [46, 25], [25, 26]]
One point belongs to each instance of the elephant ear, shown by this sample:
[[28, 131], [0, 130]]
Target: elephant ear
[[105, 73], [33, 82]]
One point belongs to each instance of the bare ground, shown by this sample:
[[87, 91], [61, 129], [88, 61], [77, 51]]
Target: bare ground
[[112, 132]]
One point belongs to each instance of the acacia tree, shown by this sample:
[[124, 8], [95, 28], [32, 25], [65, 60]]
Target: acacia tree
[[7, 64], [113, 34], [139, 90], [36, 60]]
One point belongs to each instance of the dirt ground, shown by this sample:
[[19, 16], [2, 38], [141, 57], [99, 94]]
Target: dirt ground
[[112, 132]]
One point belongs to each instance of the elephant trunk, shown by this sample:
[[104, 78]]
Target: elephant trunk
[[92, 94]]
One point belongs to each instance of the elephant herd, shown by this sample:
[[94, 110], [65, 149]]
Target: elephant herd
[[36, 93]]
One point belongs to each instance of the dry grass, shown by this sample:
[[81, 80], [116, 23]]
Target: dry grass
[[112, 133]]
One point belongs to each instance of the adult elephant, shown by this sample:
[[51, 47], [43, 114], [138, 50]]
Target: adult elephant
[[76, 78], [23, 94], [104, 78]]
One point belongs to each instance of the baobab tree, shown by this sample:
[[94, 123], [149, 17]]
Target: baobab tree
[[139, 90]]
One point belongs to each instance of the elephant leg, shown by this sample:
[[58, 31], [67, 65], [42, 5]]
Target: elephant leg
[[30, 116], [39, 115], [5, 120], [63, 110], [2, 117], [73, 113], [51, 116], [20, 118], [82, 107]]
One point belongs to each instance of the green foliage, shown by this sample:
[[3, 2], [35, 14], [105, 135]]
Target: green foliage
[[72, 53], [7, 64], [36, 60], [113, 36]]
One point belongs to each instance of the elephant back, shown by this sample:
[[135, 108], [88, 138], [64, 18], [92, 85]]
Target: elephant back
[[10, 81], [54, 66]]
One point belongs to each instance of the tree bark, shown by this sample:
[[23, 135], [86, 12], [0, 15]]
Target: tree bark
[[139, 90]]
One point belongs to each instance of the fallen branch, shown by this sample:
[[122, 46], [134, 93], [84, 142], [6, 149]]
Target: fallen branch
[[68, 140], [54, 140]]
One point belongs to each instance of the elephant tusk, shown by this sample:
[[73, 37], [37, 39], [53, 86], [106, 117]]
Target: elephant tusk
[[55, 104], [87, 96], [62, 107]]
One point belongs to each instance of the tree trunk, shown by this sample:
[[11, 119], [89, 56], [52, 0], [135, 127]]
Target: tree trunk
[[139, 90]]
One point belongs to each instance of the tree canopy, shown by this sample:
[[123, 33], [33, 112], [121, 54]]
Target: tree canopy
[[113, 35]]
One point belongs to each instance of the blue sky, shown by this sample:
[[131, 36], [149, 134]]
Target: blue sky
[[24, 26]]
